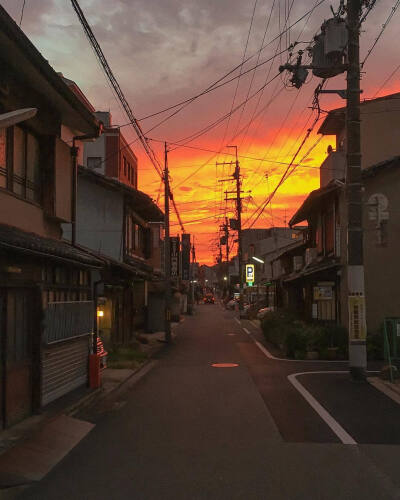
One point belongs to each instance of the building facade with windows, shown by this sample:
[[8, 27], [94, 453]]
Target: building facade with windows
[[46, 307], [311, 278], [111, 155]]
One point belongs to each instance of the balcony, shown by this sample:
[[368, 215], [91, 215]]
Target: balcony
[[333, 167]]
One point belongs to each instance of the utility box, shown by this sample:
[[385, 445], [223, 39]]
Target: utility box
[[329, 49]]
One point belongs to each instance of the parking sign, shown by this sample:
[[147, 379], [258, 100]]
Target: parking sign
[[249, 273]]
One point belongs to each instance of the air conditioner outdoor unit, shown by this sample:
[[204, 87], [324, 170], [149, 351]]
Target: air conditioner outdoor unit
[[311, 255], [297, 262]]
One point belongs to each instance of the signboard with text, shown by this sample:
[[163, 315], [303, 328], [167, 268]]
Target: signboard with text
[[174, 247], [186, 257], [249, 273]]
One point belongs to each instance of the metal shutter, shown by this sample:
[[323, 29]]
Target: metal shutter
[[64, 368]]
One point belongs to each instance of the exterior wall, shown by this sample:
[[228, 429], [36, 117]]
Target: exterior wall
[[99, 219], [380, 130], [26, 216], [381, 251], [96, 149], [112, 155], [333, 167], [127, 158]]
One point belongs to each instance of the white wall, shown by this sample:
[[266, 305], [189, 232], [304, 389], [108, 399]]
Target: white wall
[[96, 148]]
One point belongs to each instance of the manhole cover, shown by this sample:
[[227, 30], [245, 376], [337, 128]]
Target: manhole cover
[[224, 365]]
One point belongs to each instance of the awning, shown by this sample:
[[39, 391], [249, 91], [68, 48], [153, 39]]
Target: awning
[[310, 203]]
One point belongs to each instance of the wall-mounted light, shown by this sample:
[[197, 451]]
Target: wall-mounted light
[[100, 313], [225, 278], [258, 260]]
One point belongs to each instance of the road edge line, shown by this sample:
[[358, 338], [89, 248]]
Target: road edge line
[[343, 435]]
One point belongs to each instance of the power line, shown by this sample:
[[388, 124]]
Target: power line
[[384, 26], [221, 119], [121, 97], [191, 99], [240, 74], [22, 13], [387, 80]]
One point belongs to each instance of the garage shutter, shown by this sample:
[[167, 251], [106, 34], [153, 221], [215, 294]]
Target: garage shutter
[[64, 368], [68, 326]]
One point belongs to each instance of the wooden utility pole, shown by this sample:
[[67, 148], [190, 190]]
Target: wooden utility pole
[[167, 250], [354, 198], [226, 228]]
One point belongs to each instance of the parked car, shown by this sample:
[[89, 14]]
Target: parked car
[[209, 299]]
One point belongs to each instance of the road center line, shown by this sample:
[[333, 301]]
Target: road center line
[[246, 330], [238, 321], [344, 437]]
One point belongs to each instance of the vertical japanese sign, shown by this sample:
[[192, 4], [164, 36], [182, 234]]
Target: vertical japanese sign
[[357, 320], [174, 246], [185, 257]]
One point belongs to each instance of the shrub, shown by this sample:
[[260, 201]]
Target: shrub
[[283, 329]]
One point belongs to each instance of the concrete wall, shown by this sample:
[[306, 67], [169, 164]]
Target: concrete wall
[[99, 219], [381, 250], [380, 130], [96, 149]]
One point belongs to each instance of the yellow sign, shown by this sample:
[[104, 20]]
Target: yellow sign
[[249, 273], [357, 320]]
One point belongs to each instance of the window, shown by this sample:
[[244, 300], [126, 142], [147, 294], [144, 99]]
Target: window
[[20, 163], [125, 166], [94, 161]]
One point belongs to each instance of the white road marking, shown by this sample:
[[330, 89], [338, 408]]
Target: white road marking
[[263, 349], [247, 331], [344, 437], [238, 321]]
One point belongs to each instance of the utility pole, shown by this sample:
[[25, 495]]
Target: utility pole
[[238, 200], [236, 176], [355, 260], [226, 228], [167, 252]]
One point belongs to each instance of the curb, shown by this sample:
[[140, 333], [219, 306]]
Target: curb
[[100, 394], [386, 389]]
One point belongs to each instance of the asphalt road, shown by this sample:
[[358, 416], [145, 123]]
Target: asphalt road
[[188, 430]]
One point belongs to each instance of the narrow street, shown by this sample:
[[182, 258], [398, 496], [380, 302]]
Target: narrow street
[[188, 430]]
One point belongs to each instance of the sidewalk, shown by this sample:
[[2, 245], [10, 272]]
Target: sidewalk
[[30, 449]]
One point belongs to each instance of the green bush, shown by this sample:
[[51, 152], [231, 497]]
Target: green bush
[[284, 330]]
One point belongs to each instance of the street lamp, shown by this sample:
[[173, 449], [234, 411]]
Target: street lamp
[[225, 278], [258, 260]]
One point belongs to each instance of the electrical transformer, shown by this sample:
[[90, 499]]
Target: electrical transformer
[[328, 51], [335, 39]]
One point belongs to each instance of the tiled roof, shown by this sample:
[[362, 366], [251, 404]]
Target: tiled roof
[[12, 238]]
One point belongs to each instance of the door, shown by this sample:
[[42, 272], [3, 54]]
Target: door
[[17, 328]]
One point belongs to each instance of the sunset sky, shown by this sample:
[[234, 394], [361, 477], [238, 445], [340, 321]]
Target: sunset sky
[[166, 51]]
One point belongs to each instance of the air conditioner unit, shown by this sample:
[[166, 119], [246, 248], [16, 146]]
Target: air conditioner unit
[[297, 262], [311, 255]]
